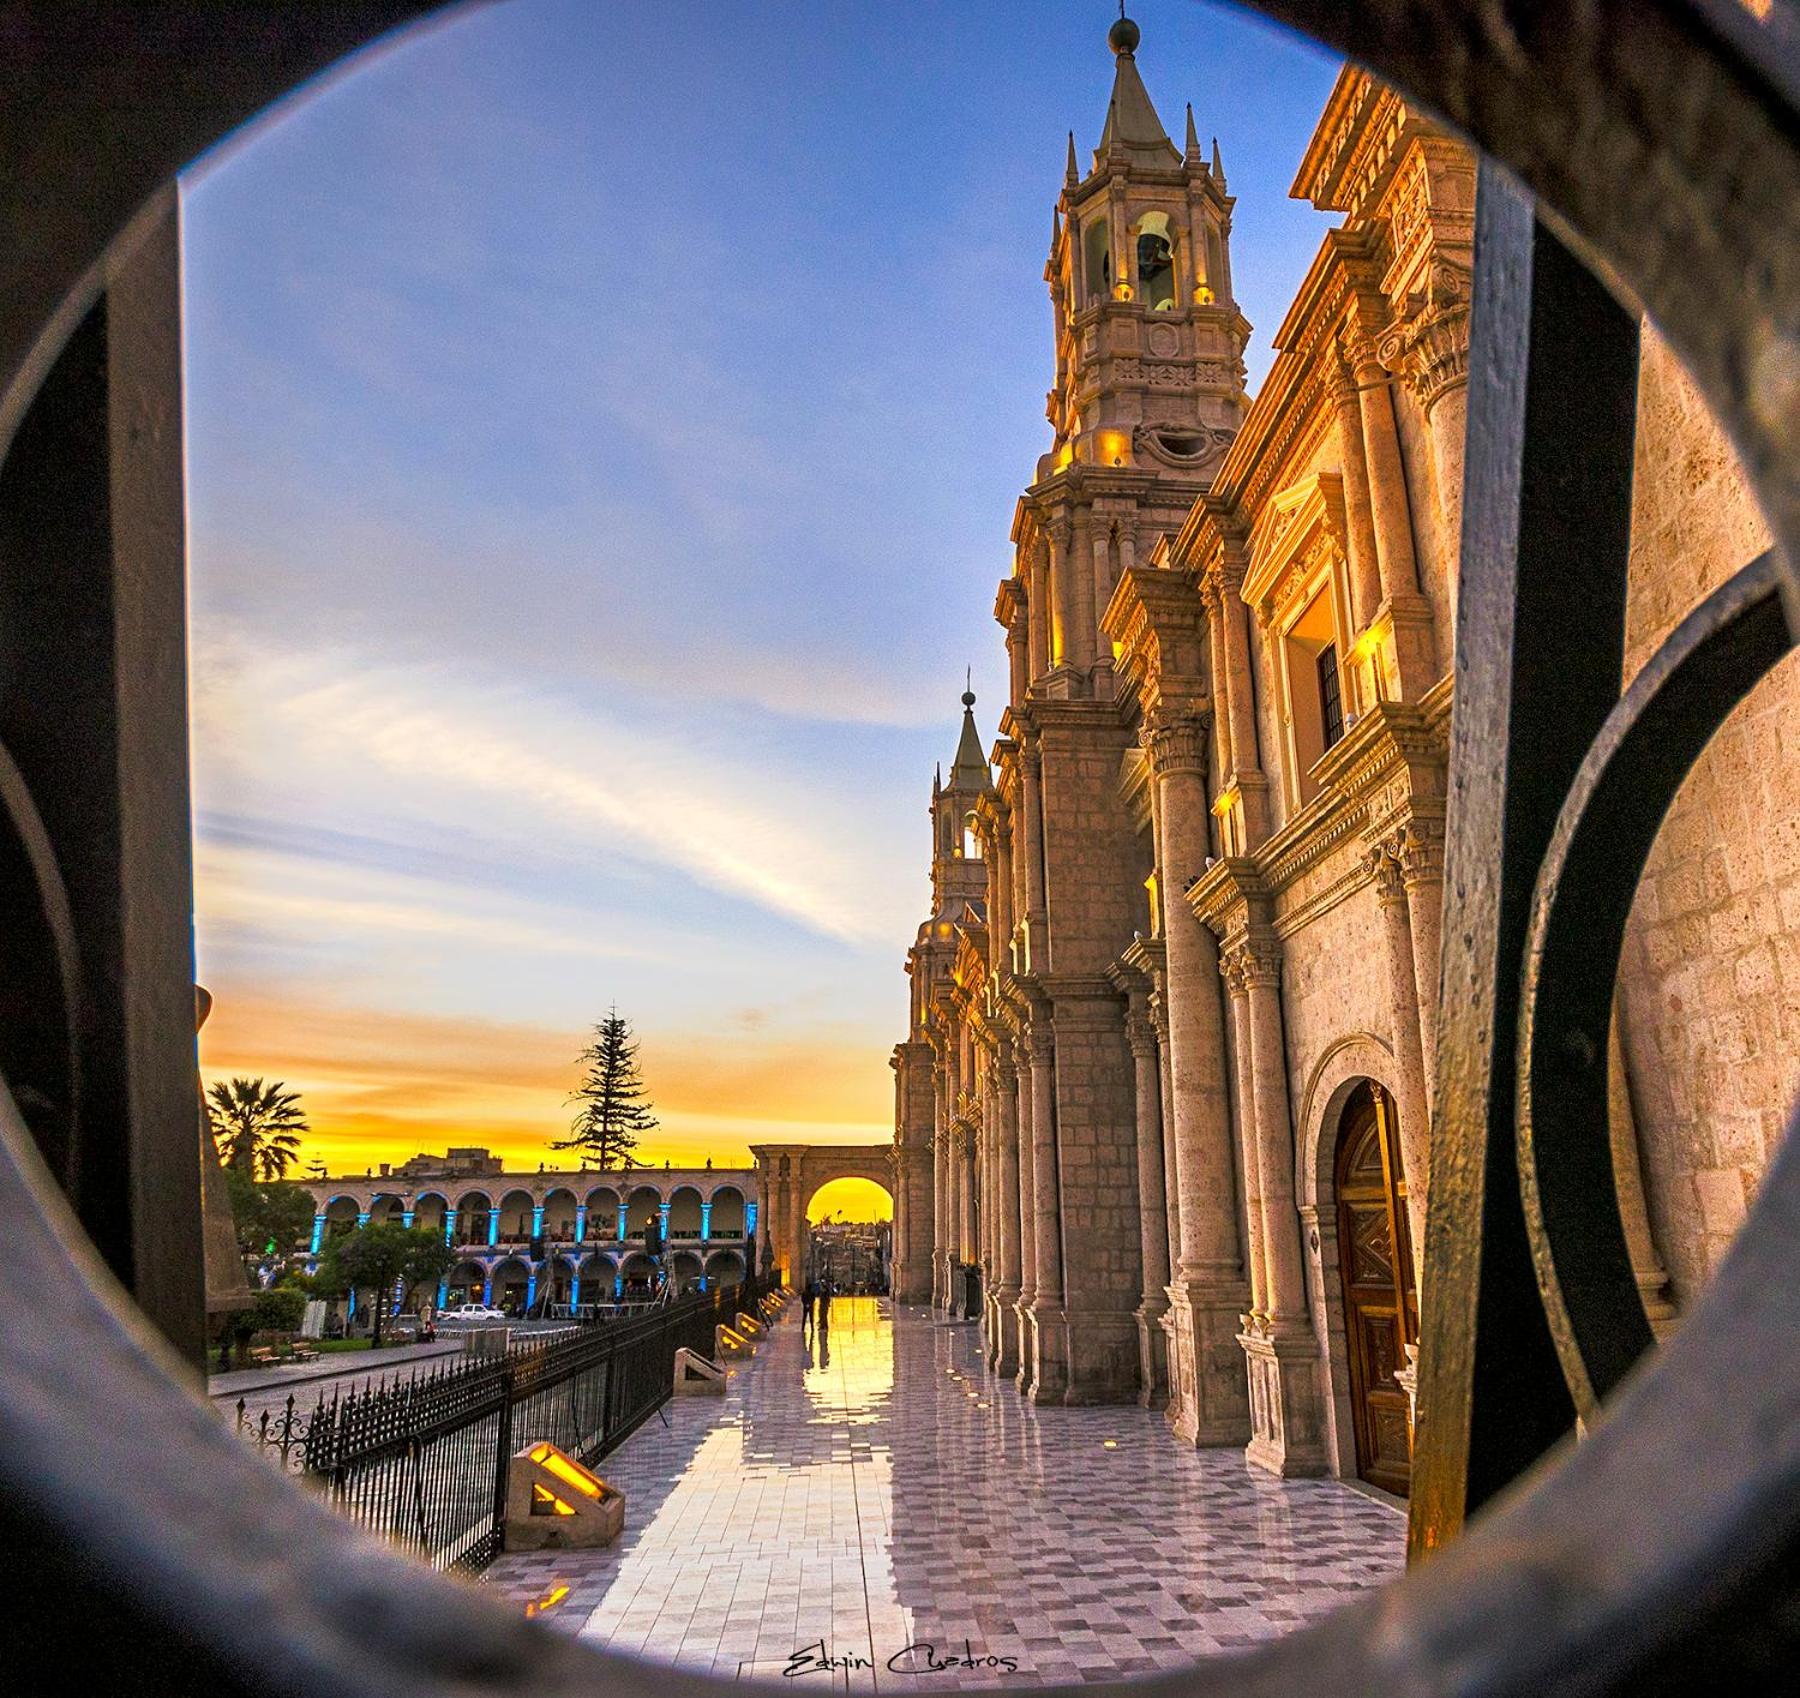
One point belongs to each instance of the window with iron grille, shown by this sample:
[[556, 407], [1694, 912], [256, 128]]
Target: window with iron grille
[[1331, 698]]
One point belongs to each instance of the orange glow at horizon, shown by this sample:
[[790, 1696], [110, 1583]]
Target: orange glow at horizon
[[382, 1087]]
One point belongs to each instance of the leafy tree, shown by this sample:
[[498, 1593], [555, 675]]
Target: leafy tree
[[377, 1257], [257, 1126], [279, 1309], [272, 1219], [615, 1107]]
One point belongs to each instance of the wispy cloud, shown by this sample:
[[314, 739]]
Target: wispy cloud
[[509, 763]]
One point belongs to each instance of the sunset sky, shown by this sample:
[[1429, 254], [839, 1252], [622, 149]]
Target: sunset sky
[[604, 427]]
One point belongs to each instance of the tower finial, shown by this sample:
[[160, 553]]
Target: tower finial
[[1193, 137], [968, 699], [1218, 165], [1074, 170], [1124, 36]]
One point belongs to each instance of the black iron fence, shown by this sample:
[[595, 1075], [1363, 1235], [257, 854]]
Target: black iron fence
[[423, 1461]]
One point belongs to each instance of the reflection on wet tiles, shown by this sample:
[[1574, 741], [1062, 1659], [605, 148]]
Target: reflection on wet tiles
[[876, 1494]]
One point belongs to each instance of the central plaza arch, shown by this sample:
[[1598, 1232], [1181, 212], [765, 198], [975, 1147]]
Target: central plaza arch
[[788, 1175]]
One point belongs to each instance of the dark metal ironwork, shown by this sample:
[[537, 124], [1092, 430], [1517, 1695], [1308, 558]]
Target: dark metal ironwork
[[1540, 646], [422, 1461], [1660, 139], [1584, 892]]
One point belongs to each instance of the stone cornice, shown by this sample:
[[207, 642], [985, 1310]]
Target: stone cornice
[[1158, 623], [1220, 896]]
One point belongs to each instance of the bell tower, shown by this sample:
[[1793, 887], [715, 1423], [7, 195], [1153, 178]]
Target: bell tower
[[958, 875], [1149, 384]]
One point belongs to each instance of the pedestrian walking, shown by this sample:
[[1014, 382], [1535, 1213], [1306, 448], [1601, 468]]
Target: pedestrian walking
[[810, 1303], [823, 1324]]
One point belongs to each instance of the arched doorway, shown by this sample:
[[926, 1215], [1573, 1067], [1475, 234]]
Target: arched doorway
[[1381, 1308], [850, 1235]]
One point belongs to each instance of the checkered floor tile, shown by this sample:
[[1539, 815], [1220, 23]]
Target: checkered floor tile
[[883, 1491]]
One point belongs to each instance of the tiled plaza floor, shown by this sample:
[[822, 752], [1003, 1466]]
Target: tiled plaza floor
[[890, 1492]]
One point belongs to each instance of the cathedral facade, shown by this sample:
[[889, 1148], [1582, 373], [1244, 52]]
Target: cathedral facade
[[1162, 1108]]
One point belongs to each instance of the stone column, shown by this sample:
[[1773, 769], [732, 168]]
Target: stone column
[[1232, 968], [1281, 1352], [1039, 615], [1159, 1020], [1359, 524], [1025, 1142], [1007, 1221], [1153, 1218], [1389, 506], [1386, 471], [1285, 1286], [1446, 418], [1065, 597], [1422, 875], [1036, 910], [1428, 347], [1018, 644], [942, 1228], [1233, 635], [1208, 1403], [1049, 1326], [971, 1224], [797, 1219], [1100, 545], [1403, 1018]]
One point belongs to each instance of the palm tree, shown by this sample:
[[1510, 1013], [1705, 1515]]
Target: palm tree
[[257, 1126]]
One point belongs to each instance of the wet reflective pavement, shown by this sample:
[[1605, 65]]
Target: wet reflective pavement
[[882, 1513]]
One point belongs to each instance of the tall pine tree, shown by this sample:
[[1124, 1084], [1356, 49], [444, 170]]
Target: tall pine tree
[[615, 1107]]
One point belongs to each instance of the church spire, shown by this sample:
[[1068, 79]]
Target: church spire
[[1131, 121], [1073, 171], [969, 771], [1193, 138]]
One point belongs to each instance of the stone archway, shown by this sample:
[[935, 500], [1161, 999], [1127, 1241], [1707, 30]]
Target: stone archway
[[787, 1176]]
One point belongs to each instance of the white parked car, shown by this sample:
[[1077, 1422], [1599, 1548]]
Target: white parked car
[[471, 1314]]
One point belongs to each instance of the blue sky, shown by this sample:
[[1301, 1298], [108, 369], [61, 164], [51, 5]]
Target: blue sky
[[604, 427]]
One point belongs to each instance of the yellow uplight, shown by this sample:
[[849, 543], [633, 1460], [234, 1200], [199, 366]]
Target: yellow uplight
[[1203, 296], [572, 1474], [546, 1502]]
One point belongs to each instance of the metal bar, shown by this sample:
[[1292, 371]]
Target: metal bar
[[1539, 654]]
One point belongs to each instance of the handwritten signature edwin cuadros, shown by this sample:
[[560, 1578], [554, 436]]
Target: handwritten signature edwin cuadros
[[922, 1658]]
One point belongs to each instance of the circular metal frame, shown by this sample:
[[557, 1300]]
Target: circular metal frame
[[1661, 135]]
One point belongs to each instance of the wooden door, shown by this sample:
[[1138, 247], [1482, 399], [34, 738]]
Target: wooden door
[[1381, 1311]]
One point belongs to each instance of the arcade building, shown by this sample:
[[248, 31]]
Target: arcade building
[[587, 1226]]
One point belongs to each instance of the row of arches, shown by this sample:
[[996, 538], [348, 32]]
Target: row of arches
[[606, 1214], [514, 1282]]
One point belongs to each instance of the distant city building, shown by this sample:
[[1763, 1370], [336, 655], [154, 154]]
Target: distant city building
[[454, 1163]]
